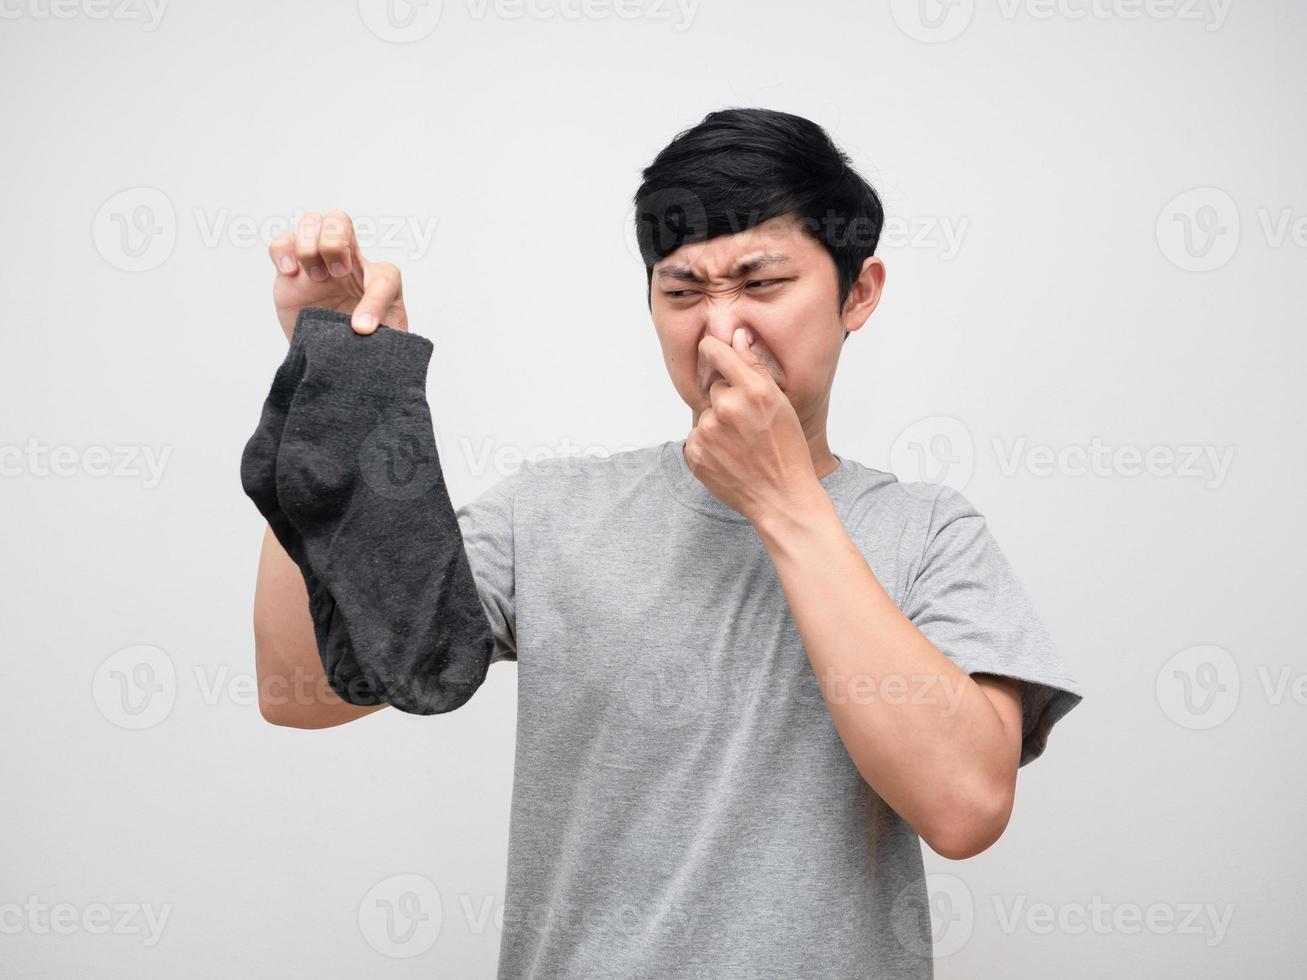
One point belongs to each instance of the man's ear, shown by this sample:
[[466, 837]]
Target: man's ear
[[864, 295]]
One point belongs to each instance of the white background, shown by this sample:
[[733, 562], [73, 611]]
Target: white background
[[1039, 166]]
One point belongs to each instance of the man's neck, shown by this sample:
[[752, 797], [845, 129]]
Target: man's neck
[[823, 460]]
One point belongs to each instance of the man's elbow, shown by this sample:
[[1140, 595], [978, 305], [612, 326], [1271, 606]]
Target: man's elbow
[[288, 714], [277, 701], [971, 826], [300, 697], [280, 714], [277, 709]]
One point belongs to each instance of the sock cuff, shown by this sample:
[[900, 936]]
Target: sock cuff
[[383, 361]]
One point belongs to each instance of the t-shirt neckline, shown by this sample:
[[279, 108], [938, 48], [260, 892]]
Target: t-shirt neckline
[[687, 488]]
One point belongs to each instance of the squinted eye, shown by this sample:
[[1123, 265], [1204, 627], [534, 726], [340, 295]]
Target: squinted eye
[[753, 284]]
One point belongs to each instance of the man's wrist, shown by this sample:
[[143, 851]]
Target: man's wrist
[[797, 515]]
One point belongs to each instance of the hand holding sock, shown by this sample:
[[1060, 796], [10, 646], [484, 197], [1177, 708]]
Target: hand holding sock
[[346, 472]]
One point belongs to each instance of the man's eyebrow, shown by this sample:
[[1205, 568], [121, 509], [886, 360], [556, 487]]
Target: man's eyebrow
[[682, 273]]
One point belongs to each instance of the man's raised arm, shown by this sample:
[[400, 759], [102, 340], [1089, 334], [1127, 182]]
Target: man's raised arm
[[320, 265]]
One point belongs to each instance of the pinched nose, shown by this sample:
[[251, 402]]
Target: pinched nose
[[710, 374], [721, 318]]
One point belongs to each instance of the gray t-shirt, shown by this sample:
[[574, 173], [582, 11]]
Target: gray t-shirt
[[682, 803]]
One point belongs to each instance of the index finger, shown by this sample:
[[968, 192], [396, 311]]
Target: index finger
[[724, 359]]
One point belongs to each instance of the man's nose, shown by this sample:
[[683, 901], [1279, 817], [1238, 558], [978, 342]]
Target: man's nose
[[721, 318]]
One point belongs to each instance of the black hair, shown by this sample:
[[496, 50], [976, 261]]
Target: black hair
[[740, 167]]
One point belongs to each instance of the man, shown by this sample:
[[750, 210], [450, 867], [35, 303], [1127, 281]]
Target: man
[[752, 674]]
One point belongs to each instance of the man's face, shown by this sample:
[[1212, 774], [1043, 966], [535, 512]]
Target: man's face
[[774, 279]]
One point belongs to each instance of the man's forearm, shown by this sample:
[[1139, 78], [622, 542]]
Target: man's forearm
[[922, 733], [293, 688]]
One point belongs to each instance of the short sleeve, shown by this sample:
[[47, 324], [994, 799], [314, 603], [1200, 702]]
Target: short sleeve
[[486, 524], [967, 600]]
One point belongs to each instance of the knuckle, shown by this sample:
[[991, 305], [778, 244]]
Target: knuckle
[[336, 227], [340, 218], [386, 277]]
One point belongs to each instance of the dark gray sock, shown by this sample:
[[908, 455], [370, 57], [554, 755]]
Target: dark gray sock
[[359, 478], [259, 480]]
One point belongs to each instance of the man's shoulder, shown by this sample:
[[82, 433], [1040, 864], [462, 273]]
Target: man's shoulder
[[903, 503]]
